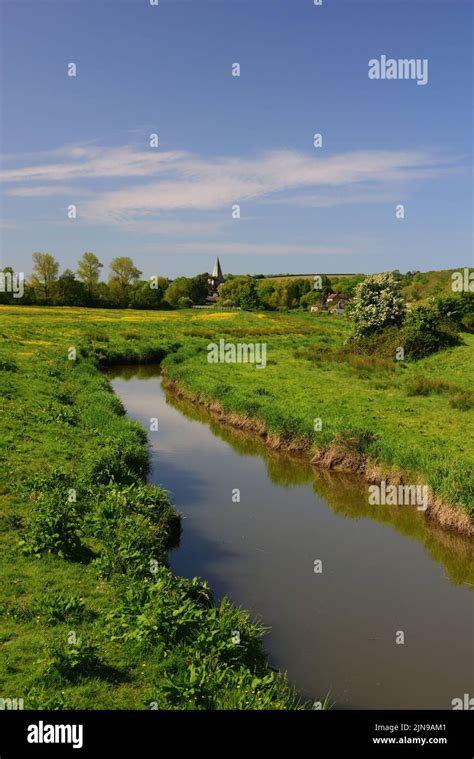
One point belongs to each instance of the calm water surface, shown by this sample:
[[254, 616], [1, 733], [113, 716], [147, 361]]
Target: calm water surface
[[385, 569]]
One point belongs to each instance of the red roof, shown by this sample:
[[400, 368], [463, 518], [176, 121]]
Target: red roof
[[335, 296]]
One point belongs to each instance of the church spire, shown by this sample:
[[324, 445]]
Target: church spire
[[216, 279], [217, 271]]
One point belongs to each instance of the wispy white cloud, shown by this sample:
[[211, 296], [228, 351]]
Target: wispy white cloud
[[95, 163], [338, 198], [40, 191], [176, 180], [70, 151], [9, 225]]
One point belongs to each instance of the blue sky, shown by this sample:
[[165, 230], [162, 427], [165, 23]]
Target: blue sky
[[245, 140]]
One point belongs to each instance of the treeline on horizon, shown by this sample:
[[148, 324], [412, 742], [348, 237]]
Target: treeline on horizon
[[125, 288]]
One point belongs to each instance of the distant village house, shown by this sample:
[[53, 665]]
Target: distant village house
[[335, 303]]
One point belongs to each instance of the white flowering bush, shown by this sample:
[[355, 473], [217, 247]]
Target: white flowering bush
[[377, 305]]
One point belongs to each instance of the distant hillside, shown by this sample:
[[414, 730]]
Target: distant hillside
[[421, 285], [337, 280], [415, 286], [289, 277]]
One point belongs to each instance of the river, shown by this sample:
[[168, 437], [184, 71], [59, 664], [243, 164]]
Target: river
[[386, 573]]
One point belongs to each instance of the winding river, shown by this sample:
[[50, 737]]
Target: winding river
[[384, 570]]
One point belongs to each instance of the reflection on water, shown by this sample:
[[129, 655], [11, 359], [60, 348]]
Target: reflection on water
[[385, 569]]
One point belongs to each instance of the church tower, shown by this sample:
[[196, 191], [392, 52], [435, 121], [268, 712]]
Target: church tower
[[216, 279]]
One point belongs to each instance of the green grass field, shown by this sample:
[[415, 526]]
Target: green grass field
[[85, 567], [405, 416]]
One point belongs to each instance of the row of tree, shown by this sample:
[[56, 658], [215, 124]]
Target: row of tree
[[282, 292], [125, 287]]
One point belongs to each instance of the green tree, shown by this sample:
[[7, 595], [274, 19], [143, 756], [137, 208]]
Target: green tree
[[454, 307], [5, 295], [265, 292], [232, 288], [426, 331], [325, 288], [199, 288], [185, 302], [348, 285], [123, 274], [71, 292], [193, 289], [104, 297], [249, 299], [88, 271], [282, 296], [148, 294], [297, 289], [179, 288], [309, 299], [377, 305], [45, 274]]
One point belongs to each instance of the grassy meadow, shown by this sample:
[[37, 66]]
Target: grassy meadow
[[415, 417], [91, 615]]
